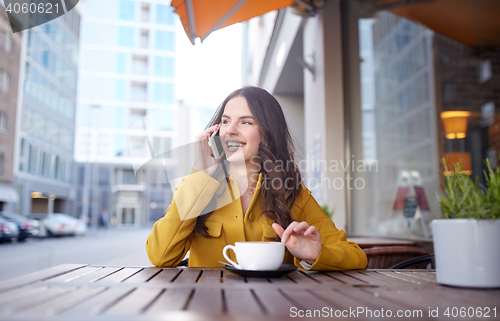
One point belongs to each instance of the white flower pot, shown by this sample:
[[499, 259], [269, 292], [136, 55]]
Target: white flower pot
[[467, 252]]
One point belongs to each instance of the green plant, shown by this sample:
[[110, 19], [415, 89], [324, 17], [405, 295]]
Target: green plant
[[466, 198], [329, 213]]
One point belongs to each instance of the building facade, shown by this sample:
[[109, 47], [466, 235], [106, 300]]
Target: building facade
[[126, 109], [44, 144], [10, 51]]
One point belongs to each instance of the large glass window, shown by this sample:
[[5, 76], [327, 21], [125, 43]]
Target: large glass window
[[165, 40], [410, 77], [127, 10], [126, 36], [163, 93], [164, 67], [165, 14]]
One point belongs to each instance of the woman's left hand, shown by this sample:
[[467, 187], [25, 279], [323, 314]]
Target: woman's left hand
[[301, 239]]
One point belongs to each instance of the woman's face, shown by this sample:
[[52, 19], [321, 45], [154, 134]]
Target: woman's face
[[239, 131]]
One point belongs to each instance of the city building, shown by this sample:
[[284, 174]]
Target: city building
[[10, 51], [126, 110], [45, 122]]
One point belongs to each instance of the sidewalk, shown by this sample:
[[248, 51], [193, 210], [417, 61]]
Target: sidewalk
[[115, 246]]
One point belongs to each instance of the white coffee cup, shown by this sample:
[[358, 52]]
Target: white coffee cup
[[257, 256]]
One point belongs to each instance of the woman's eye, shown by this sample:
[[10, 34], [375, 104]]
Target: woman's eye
[[225, 122], [247, 123]]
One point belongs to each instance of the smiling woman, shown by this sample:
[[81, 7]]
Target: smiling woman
[[272, 204]]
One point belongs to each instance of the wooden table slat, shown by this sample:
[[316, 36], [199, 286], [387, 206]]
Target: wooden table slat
[[323, 278], [410, 299], [207, 301], [20, 293], [210, 276], [344, 278], [274, 303], [336, 299], [299, 277], [231, 278], [73, 275], [170, 300], [305, 300], [370, 278], [97, 304], [142, 276], [373, 301], [120, 275], [38, 276], [387, 279], [97, 275], [165, 276], [188, 275], [62, 303], [135, 302], [241, 302], [420, 275], [408, 278], [35, 300]]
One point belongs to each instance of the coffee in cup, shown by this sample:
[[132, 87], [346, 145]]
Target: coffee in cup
[[257, 256]]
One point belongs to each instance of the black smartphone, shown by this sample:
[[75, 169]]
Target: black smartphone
[[215, 144]]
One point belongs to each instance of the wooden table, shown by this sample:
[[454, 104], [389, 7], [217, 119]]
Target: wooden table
[[83, 292]]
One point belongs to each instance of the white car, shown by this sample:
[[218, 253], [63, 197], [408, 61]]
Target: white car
[[57, 224]]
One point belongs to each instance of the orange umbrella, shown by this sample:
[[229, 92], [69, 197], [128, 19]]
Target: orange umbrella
[[202, 17], [475, 23]]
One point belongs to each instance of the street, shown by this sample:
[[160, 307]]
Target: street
[[111, 247]]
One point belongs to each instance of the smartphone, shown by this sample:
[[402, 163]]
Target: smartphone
[[216, 145]]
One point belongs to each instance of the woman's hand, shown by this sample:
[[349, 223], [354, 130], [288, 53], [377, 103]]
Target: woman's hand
[[301, 239], [203, 161]]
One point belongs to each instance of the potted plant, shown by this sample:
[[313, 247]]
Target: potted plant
[[466, 241]]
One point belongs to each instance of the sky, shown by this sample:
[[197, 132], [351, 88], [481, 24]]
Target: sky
[[208, 72]]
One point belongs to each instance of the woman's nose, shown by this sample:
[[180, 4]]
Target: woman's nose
[[231, 130]]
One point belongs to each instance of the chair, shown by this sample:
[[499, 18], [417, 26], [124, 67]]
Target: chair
[[427, 258], [388, 256]]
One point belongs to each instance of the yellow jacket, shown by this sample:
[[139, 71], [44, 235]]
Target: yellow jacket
[[174, 234]]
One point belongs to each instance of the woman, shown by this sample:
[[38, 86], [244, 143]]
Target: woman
[[206, 213]]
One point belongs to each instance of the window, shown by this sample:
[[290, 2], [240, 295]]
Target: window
[[165, 40], [2, 161], [164, 15], [4, 81], [139, 91], [164, 67], [144, 38], [121, 62], [120, 89], [140, 65], [3, 122], [125, 36], [6, 42], [127, 9], [145, 12], [163, 93]]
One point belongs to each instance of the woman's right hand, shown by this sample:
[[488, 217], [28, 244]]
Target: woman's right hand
[[203, 160]]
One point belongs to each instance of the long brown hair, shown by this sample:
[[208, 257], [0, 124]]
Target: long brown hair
[[281, 178]]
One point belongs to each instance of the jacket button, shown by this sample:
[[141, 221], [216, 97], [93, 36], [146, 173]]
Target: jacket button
[[250, 217]]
